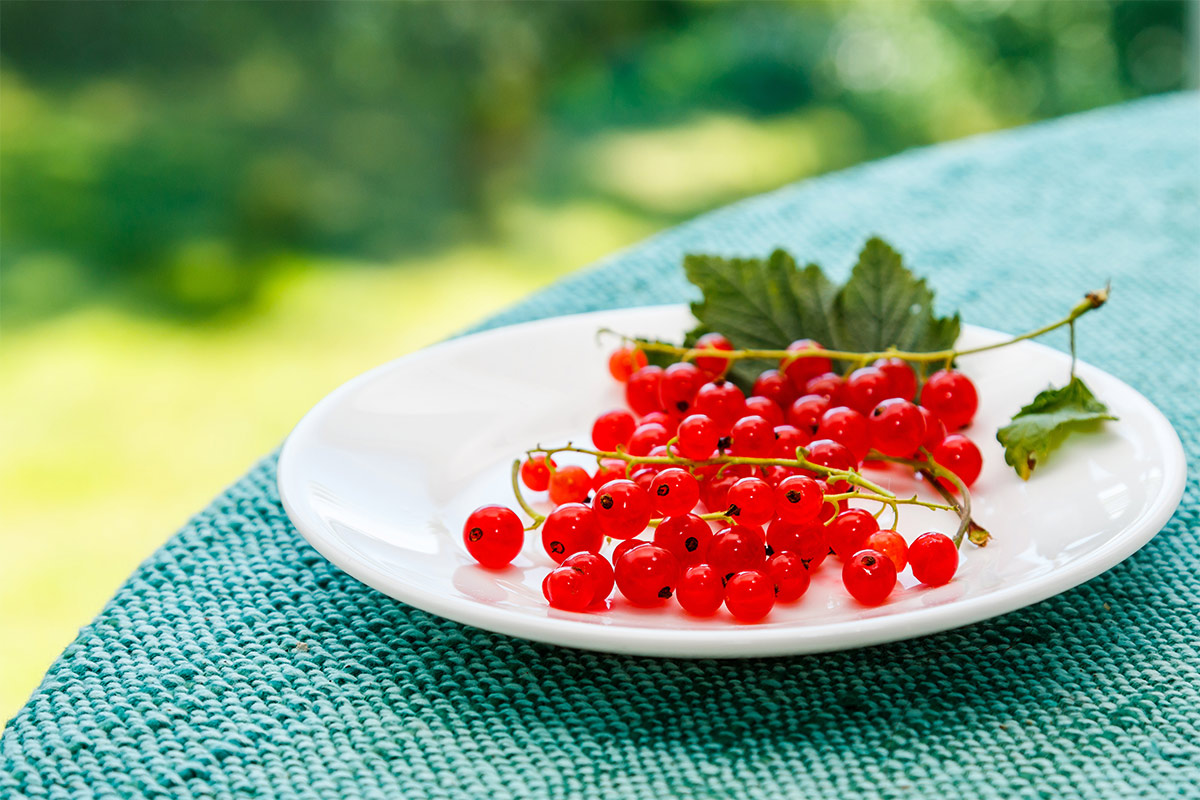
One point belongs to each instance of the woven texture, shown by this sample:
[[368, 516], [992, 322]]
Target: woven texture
[[236, 662]]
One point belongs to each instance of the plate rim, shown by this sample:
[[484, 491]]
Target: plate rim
[[740, 641]]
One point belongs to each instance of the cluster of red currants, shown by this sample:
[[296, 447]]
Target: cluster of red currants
[[775, 523]]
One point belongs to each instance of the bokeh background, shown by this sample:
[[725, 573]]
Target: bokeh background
[[212, 214]]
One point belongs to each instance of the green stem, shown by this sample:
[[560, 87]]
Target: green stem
[[536, 518]]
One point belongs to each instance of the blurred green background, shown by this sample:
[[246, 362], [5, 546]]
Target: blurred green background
[[212, 214]]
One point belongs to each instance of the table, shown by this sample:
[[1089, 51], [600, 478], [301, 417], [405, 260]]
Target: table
[[236, 662]]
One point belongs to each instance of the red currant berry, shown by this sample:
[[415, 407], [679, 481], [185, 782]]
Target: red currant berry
[[661, 418], [933, 558], [722, 401], [646, 437], [798, 499], [597, 568], [777, 475], [866, 388], [790, 575], [762, 407], [622, 509], [700, 590], [641, 392], [849, 530], [806, 412], [625, 546], [831, 508], [900, 375], [833, 455], [674, 491], [751, 501], [788, 439], [644, 478], [752, 437], [569, 589], [612, 429], [624, 362], [831, 386], [714, 366], [896, 428], [697, 437], [678, 387], [737, 548], [609, 469], [801, 370], [714, 491], [569, 484], [935, 429], [687, 537], [869, 577], [958, 454], [646, 575], [494, 536], [774, 385], [571, 528], [952, 397], [807, 541], [892, 545], [750, 595], [847, 427], [535, 474]]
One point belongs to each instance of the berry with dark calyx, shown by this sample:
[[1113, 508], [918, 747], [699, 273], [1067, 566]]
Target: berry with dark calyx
[[700, 591], [644, 477], [801, 370], [536, 474], [569, 484], [935, 429], [933, 558], [646, 575], [807, 541], [805, 413], [678, 387], [866, 388], [661, 418], [641, 391], [713, 366], [762, 407], [750, 595], [774, 385], [848, 427], [674, 491], [849, 531], [896, 428], [625, 546], [597, 568], [722, 401], [892, 545], [788, 439], [571, 528], [790, 575], [951, 396], [569, 589], [958, 454], [612, 429], [798, 499], [736, 548], [624, 362], [697, 437], [752, 437], [900, 375], [833, 455], [622, 509], [494, 536], [869, 576], [646, 437], [831, 386], [750, 501], [609, 469], [687, 537]]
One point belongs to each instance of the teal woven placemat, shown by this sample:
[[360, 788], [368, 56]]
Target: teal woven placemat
[[236, 662]]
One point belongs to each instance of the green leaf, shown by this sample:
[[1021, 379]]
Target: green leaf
[[1040, 427]]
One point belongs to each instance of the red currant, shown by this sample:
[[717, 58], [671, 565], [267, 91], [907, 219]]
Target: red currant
[[687, 537], [536, 474], [678, 387], [644, 478], [951, 396], [847, 427], [622, 509], [625, 546], [790, 575], [752, 437], [697, 437], [722, 401], [849, 531], [646, 437], [774, 385], [714, 491], [609, 469], [788, 439], [674, 491], [597, 568], [494, 536], [935, 429], [776, 475], [612, 429], [624, 362], [700, 590], [798, 499], [646, 575], [958, 454], [737, 548], [892, 545], [933, 558], [751, 501], [896, 428], [800, 370], [714, 366], [869, 577], [807, 541], [900, 376], [661, 418], [762, 407], [866, 388], [806, 412], [569, 484], [641, 392], [833, 455], [750, 595], [571, 528], [831, 386], [569, 589], [831, 508]]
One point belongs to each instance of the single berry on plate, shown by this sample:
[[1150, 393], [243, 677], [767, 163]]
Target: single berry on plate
[[892, 545], [569, 484], [805, 413], [737, 548], [641, 392], [896, 428], [774, 385], [714, 366], [933, 558], [866, 388], [958, 454], [686, 536], [697, 437], [569, 589], [750, 501], [849, 531], [624, 362], [625, 546], [788, 571], [612, 429], [750, 595], [536, 474], [674, 491], [848, 427], [935, 429], [571, 528], [646, 575], [622, 509], [869, 576], [646, 437], [798, 499], [951, 396], [494, 536], [752, 437], [831, 386], [805, 540], [700, 591], [900, 376], [597, 568], [788, 439], [800, 370], [722, 401], [678, 387], [767, 409]]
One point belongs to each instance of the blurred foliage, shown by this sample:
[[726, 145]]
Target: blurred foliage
[[165, 157]]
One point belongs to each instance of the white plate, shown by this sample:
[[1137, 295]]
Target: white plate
[[381, 474]]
